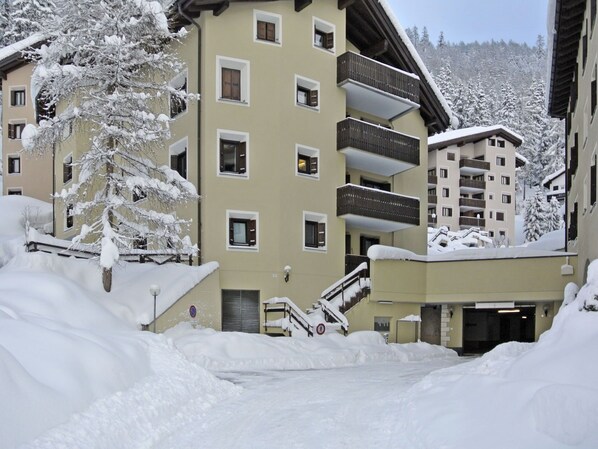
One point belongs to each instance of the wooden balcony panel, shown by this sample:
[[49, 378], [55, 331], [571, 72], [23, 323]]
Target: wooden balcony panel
[[472, 203], [474, 165], [432, 179], [475, 184], [432, 199], [472, 222]]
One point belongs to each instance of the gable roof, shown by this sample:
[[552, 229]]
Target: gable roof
[[11, 56], [474, 134], [548, 179]]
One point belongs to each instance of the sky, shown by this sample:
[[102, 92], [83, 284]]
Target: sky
[[471, 20]]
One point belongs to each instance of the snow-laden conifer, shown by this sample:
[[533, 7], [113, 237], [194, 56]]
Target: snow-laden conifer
[[555, 220], [106, 69], [536, 214], [28, 17]]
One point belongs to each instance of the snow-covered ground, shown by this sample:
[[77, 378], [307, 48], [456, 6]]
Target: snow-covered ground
[[75, 373]]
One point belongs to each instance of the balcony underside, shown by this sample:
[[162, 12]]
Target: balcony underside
[[373, 224], [376, 102], [373, 163], [473, 167]]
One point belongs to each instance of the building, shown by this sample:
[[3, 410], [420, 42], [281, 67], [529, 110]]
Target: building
[[573, 96], [471, 180], [23, 174], [555, 186]]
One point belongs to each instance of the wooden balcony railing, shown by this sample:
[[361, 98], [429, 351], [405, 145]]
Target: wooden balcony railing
[[472, 221], [351, 66], [432, 199], [472, 202], [372, 203], [432, 179], [474, 164], [377, 140], [472, 183]]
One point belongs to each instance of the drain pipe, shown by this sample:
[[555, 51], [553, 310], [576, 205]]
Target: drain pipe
[[196, 25]]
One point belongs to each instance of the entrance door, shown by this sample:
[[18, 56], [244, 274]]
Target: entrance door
[[431, 325], [240, 311]]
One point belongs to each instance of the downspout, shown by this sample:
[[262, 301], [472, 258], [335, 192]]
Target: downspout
[[567, 187], [196, 25]]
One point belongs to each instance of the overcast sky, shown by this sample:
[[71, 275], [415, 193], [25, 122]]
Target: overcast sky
[[471, 20]]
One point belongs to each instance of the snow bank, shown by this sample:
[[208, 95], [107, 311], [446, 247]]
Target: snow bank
[[16, 209], [541, 395], [551, 241], [233, 351]]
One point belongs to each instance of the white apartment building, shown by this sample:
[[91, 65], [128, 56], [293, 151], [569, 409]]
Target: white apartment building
[[471, 180]]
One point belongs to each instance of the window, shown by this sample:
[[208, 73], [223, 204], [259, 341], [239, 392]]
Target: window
[[490, 214], [584, 49], [490, 177], [67, 168], [492, 142], [500, 216], [314, 231], [382, 324], [69, 219], [232, 153], [15, 130], [178, 157], [594, 93], [491, 196], [178, 104], [505, 180], [443, 173], [447, 212], [307, 161], [232, 80], [242, 230], [506, 199], [593, 181], [491, 233], [365, 242], [14, 192], [500, 143], [445, 192], [450, 156], [323, 35], [14, 165], [267, 27], [501, 161], [17, 97], [138, 194], [307, 92], [555, 188], [43, 111], [574, 155]]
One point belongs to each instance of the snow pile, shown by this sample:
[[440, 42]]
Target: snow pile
[[234, 351], [551, 241], [18, 209], [535, 395], [442, 240]]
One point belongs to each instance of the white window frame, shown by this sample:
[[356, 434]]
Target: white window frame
[[325, 27], [242, 215], [173, 83], [502, 176], [490, 177], [177, 148], [502, 197], [266, 16], [318, 218], [309, 152], [440, 171], [503, 157], [14, 156], [14, 89], [309, 84], [237, 136], [237, 64]]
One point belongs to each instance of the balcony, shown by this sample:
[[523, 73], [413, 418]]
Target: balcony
[[376, 149], [432, 199], [469, 222], [376, 210], [432, 180], [376, 88], [473, 166], [471, 185], [471, 204]]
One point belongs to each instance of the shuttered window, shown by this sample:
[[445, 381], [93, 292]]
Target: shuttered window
[[17, 97], [233, 156], [266, 31], [231, 84], [242, 232], [14, 165], [315, 234], [323, 39], [15, 130], [307, 97], [307, 164]]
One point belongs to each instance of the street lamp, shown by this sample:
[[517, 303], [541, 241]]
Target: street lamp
[[154, 290], [434, 219]]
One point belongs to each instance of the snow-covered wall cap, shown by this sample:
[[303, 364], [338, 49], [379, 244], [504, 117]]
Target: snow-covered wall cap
[[473, 134], [428, 77], [552, 176], [14, 50]]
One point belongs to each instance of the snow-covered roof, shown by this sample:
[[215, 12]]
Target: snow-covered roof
[[14, 50], [473, 134], [548, 179], [520, 160]]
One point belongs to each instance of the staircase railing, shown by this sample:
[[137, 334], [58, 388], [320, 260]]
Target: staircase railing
[[358, 275], [288, 308], [334, 314]]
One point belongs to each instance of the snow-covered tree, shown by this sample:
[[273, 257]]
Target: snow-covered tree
[[108, 65], [555, 220], [28, 16], [507, 112], [441, 40], [536, 217], [4, 22]]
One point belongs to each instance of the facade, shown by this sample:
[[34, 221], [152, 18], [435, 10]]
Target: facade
[[555, 186], [23, 174], [471, 180], [573, 96]]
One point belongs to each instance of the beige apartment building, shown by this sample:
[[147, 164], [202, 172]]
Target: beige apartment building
[[573, 96], [471, 180], [23, 174]]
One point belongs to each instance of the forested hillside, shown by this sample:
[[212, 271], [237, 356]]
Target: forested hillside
[[502, 83]]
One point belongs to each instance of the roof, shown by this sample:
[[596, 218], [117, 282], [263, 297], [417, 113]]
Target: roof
[[520, 160], [11, 56], [564, 33], [373, 29], [548, 179], [474, 134]]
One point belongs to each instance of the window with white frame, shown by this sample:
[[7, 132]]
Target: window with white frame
[[445, 192], [307, 92], [447, 212], [492, 142], [178, 103], [505, 180], [324, 35], [500, 143], [15, 130], [314, 231], [443, 172], [232, 78], [67, 168], [307, 161], [17, 96], [178, 157], [242, 230], [14, 165], [501, 161], [267, 27], [506, 198], [233, 153]]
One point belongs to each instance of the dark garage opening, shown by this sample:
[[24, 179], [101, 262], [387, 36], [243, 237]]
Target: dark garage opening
[[241, 311], [483, 329]]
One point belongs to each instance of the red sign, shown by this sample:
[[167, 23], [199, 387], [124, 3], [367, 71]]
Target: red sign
[[320, 329]]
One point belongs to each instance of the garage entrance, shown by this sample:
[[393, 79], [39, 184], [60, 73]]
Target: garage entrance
[[483, 329], [241, 311]]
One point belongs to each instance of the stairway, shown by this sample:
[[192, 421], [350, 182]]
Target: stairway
[[326, 314]]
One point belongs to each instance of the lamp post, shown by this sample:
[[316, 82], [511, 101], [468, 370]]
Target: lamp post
[[154, 290], [434, 218]]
